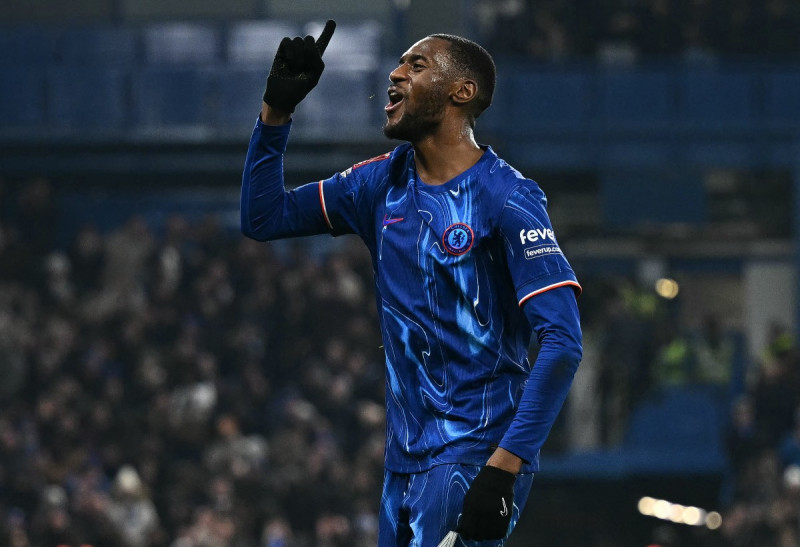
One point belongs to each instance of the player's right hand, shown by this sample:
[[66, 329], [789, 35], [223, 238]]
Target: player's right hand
[[296, 69]]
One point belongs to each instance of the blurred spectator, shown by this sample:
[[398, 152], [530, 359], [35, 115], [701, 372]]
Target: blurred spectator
[[52, 523], [35, 221], [234, 454], [277, 533], [628, 334], [621, 37], [130, 511], [775, 395], [713, 351], [790, 447], [744, 439], [87, 260], [674, 362]]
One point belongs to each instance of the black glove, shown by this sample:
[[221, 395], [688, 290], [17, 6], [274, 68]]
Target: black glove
[[488, 505], [296, 69]]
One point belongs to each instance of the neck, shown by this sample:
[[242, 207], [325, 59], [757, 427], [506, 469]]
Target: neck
[[443, 155]]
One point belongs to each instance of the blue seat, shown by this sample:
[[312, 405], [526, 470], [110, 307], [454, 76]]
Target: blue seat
[[633, 196], [782, 96], [80, 96], [240, 91], [27, 46], [342, 104], [683, 418], [100, 45], [496, 118], [254, 42], [21, 96], [717, 97], [636, 97], [172, 96], [354, 46], [549, 97], [181, 43]]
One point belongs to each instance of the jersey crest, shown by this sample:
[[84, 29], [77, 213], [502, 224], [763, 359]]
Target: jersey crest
[[458, 238]]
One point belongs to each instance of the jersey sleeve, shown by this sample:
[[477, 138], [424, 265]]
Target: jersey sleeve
[[346, 200], [269, 212], [535, 260], [554, 317]]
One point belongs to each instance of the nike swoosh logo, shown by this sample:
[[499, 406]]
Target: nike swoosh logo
[[504, 512], [387, 221]]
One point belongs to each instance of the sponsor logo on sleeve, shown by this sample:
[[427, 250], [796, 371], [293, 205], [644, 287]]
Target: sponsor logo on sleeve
[[536, 234], [542, 250], [546, 239]]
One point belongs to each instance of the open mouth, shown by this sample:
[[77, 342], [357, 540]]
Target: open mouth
[[395, 99]]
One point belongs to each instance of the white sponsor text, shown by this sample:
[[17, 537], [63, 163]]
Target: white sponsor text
[[535, 235]]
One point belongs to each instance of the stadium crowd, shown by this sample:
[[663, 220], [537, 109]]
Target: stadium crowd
[[622, 30], [183, 389], [183, 386]]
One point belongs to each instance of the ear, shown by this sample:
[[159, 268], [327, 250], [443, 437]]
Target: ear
[[465, 91]]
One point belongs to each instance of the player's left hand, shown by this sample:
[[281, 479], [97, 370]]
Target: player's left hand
[[488, 505]]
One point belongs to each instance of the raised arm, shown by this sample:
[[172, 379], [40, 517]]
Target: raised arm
[[267, 211]]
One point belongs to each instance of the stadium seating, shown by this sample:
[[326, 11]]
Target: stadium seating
[[641, 97], [87, 96], [253, 43], [549, 97], [27, 46], [22, 100], [782, 97], [181, 42], [106, 45], [164, 97], [717, 96], [673, 431], [694, 415], [552, 113], [343, 103], [356, 46], [239, 96]]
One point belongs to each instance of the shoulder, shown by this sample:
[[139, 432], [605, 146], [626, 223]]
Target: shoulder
[[506, 184], [378, 164], [526, 190]]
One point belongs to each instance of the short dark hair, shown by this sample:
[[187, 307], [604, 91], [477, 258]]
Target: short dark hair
[[474, 61]]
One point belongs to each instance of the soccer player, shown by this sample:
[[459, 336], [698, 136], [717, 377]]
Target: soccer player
[[466, 267]]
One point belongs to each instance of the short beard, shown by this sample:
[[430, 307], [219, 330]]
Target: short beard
[[414, 126]]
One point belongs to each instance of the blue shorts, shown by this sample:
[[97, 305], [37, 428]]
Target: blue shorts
[[419, 509]]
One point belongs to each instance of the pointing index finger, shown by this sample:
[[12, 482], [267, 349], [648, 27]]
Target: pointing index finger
[[325, 36]]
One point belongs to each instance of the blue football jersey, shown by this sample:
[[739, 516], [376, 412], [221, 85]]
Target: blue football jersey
[[453, 263]]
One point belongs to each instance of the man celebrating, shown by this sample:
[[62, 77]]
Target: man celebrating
[[466, 266]]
